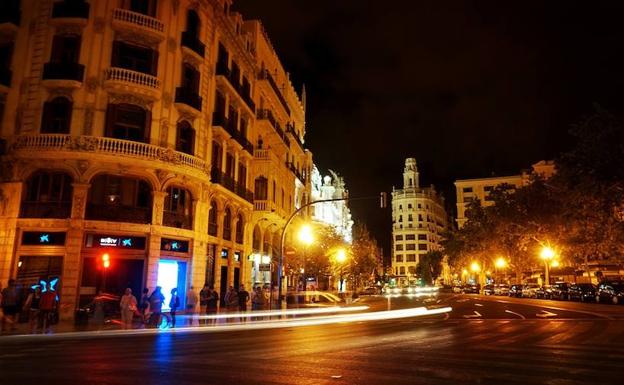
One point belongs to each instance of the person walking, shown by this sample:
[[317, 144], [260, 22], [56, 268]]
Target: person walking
[[204, 296], [156, 301], [174, 304], [243, 298], [257, 299], [32, 307], [47, 307], [212, 305], [191, 304], [9, 305], [144, 305], [128, 305]]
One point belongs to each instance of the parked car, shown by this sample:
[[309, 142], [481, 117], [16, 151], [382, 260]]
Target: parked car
[[515, 291], [610, 292], [457, 289], [488, 289], [501, 289], [582, 292], [560, 290], [530, 290], [370, 290], [471, 288], [544, 292]]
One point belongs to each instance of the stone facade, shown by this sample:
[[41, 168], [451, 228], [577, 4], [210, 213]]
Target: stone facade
[[336, 214]]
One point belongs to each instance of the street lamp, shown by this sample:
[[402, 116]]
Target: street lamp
[[500, 263], [306, 237], [341, 257], [547, 254]]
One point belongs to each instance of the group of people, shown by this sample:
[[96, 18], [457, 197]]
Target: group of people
[[40, 306]]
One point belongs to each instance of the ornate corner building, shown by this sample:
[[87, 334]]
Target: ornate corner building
[[418, 222], [165, 133], [336, 214]]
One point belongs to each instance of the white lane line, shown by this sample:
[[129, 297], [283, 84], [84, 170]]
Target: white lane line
[[478, 304], [475, 315], [514, 313], [599, 315], [545, 314]]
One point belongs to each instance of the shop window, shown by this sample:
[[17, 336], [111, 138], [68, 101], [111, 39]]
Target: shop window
[[128, 122], [213, 226], [48, 195], [185, 138], [178, 208], [56, 116], [134, 58], [261, 187], [239, 229], [227, 224], [119, 199]]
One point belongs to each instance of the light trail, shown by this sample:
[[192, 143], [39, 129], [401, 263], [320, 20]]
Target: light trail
[[276, 313], [274, 324]]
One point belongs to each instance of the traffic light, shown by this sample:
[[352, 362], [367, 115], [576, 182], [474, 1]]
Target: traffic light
[[383, 202], [105, 260]]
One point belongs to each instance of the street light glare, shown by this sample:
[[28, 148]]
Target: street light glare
[[547, 253], [475, 267], [305, 235], [341, 256], [500, 263]]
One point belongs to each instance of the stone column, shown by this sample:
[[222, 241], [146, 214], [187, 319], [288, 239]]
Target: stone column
[[10, 199], [158, 203], [153, 257], [79, 200], [198, 264]]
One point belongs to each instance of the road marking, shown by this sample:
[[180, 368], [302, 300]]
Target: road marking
[[463, 300], [514, 313], [599, 315], [546, 314], [478, 304], [475, 315]]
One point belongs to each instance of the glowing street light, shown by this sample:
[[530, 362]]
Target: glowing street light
[[475, 267], [554, 263], [341, 256], [547, 254], [305, 235], [500, 263]]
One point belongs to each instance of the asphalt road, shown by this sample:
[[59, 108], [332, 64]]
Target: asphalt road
[[484, 340]]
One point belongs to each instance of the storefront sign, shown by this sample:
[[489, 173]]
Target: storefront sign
[[115, 241], [174, 245], [38, 238]]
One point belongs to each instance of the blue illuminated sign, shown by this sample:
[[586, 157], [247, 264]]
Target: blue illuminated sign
[[44, 238], [38, 238], [174, 245]]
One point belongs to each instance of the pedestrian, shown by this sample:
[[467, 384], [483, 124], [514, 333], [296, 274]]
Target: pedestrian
[[9, 305], [191, 304], [144, 305], [32, 307], [174, 304], [128, 305], [156, 301], [212, 305], [204, 296], [243, 298], [47, 307], [257, 299], [231, 299]]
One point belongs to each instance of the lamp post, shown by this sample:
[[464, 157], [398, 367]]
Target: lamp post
[[306, 237], [341, 257], [547, 254], [500, 263]]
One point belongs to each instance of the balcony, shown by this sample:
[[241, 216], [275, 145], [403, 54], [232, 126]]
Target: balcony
[[244, 193], [297, 173], [218, 176], [239, 137], [234, 85], [131, 23], [74, 12], [5, 78], [188, 101], [45, 210], [39, 144], [118, 213], [191, 42], [9, 18], [123, 80], [64, 75], [267, 116], [264, 205], [177, 220], [266, 76], [291, 130]]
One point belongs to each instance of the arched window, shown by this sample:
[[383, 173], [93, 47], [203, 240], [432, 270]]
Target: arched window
[[193, 23], [185, 138], [260, 188], [213, 226], [257, 234], [119, 199], [56, 116], [47, 195], [178, 208], [239, 229], [146, 7], [128, 122], [227, 224]]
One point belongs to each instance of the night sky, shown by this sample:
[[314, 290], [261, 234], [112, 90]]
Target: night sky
[[469, 88]]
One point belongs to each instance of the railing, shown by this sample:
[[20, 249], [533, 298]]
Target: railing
[[291, 129], [264, 205], [113, 213], [266, 75], [188, 97], [71, 9], [238, 136], [63, 71], [60, 142], [134, 77], [45, 209], [218, 176], [268, 115], [178, 220], [262, 154], [192, 42], [223, 70], [5, 77], [138, 19]]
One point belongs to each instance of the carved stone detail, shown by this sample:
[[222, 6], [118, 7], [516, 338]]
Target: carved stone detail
[[164, 131], [83, 143], [138, 38], [68, 29], [60, 91], [115, 98], [82, 166], [88, 119]]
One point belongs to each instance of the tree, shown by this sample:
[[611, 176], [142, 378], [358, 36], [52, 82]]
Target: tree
[[364, 263], [429, 267]]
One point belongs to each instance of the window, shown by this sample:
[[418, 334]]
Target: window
[[410, 237], [242, 175], [229, 165], [420, 217], [402, 270], [399, 258], [235, 73], [467, 189], [217, 155], [422, 246], [227, 224], [400, 207], [410, 246], [419, 206], [185, 139], [134, 58], [192, 23], [47, 195], [128, 122], [65, 49], [239, 229], [398, 238], [409, 217], [178, 208], [212, 219], [123, 199], [190, 79], [400, 218], [488, 188], [146, 7], [56, 116], [399, 247], [218, 116], [422, 237], [260, 188], [409, 205], [411, 258]]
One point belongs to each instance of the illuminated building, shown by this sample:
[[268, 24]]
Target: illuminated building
[[140, 128], [418, 221], [468, 190], [336, 214]]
